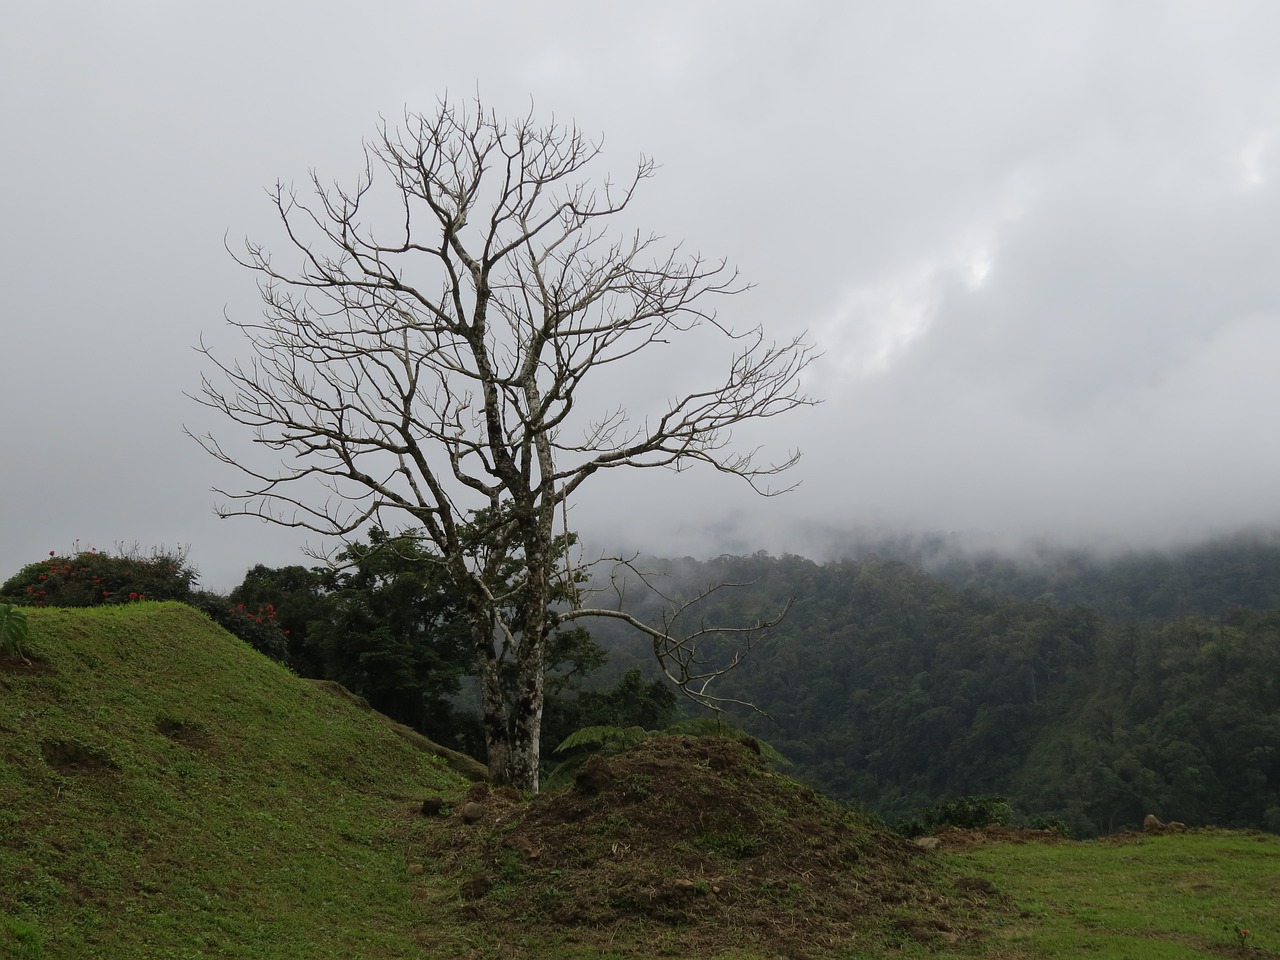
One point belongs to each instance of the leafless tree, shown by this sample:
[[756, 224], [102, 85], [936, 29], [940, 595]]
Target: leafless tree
[[433, 369]]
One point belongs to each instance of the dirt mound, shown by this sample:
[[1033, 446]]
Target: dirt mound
[[957, 838], [701, 837]]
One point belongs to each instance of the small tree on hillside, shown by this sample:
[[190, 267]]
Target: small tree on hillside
[[392, 632], [438, 369], [298, 595]]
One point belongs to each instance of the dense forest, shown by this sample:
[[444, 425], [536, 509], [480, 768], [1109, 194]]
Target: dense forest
[[891, 688], [1087, 692]]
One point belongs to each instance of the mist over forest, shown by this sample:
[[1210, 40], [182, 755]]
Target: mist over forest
[[1212, 575]]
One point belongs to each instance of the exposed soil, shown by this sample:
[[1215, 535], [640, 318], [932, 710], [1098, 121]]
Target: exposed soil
[[956, 838], [189, 735], [698, 837], [70, 756], [18, 664]]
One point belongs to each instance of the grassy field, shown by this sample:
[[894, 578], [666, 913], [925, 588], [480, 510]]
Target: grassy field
[[166, 792], [1196, 894]]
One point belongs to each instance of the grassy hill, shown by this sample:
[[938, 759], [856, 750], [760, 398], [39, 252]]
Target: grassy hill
[[166, 792]]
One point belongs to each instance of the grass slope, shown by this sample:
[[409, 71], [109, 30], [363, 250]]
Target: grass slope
[[166, 791]]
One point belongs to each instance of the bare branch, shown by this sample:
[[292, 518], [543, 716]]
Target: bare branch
[[422, 354]]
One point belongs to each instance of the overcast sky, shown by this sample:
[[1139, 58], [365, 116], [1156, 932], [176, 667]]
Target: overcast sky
[[1039, 244]]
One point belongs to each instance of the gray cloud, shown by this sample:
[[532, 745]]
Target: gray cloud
[[1035, 243]]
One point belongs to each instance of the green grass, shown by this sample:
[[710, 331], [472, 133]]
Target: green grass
[[166, 792], [1168, 897]]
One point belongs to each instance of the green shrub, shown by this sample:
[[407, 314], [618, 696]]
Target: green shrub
[[1049, 822], [965, 813], [603, 739]]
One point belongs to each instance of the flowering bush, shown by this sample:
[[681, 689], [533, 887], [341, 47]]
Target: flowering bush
[[91, 578], [257, 627]]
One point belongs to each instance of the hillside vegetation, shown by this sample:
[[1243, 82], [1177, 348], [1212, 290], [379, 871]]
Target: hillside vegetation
[[167, 792], [1211, 578], [888, 687]]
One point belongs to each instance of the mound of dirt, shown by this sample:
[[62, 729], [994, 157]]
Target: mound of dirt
[[958, 838], [699, 836]]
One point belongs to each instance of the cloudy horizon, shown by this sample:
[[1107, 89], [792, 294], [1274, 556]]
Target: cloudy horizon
[[1034, 244]]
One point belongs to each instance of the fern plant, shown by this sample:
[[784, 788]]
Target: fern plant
[[13, 629], [603, 739]]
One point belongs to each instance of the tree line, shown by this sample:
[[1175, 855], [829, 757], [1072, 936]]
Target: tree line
[[884, 686]]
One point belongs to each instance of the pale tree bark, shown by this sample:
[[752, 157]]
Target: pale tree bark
[[434, 368]]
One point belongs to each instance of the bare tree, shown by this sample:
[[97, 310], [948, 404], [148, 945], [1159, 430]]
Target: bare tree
[[435, 369]]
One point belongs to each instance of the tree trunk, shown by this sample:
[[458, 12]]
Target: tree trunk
[[526, 746], [497, 735]]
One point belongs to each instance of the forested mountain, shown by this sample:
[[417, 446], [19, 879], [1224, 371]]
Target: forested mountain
[[891, 688]]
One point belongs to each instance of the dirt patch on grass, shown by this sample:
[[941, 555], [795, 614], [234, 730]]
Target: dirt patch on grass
[[191, 735], [699, 837], [72, 756], [956, 838], [24, 665]]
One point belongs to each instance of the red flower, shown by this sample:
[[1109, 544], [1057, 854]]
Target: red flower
[[106, 593]]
